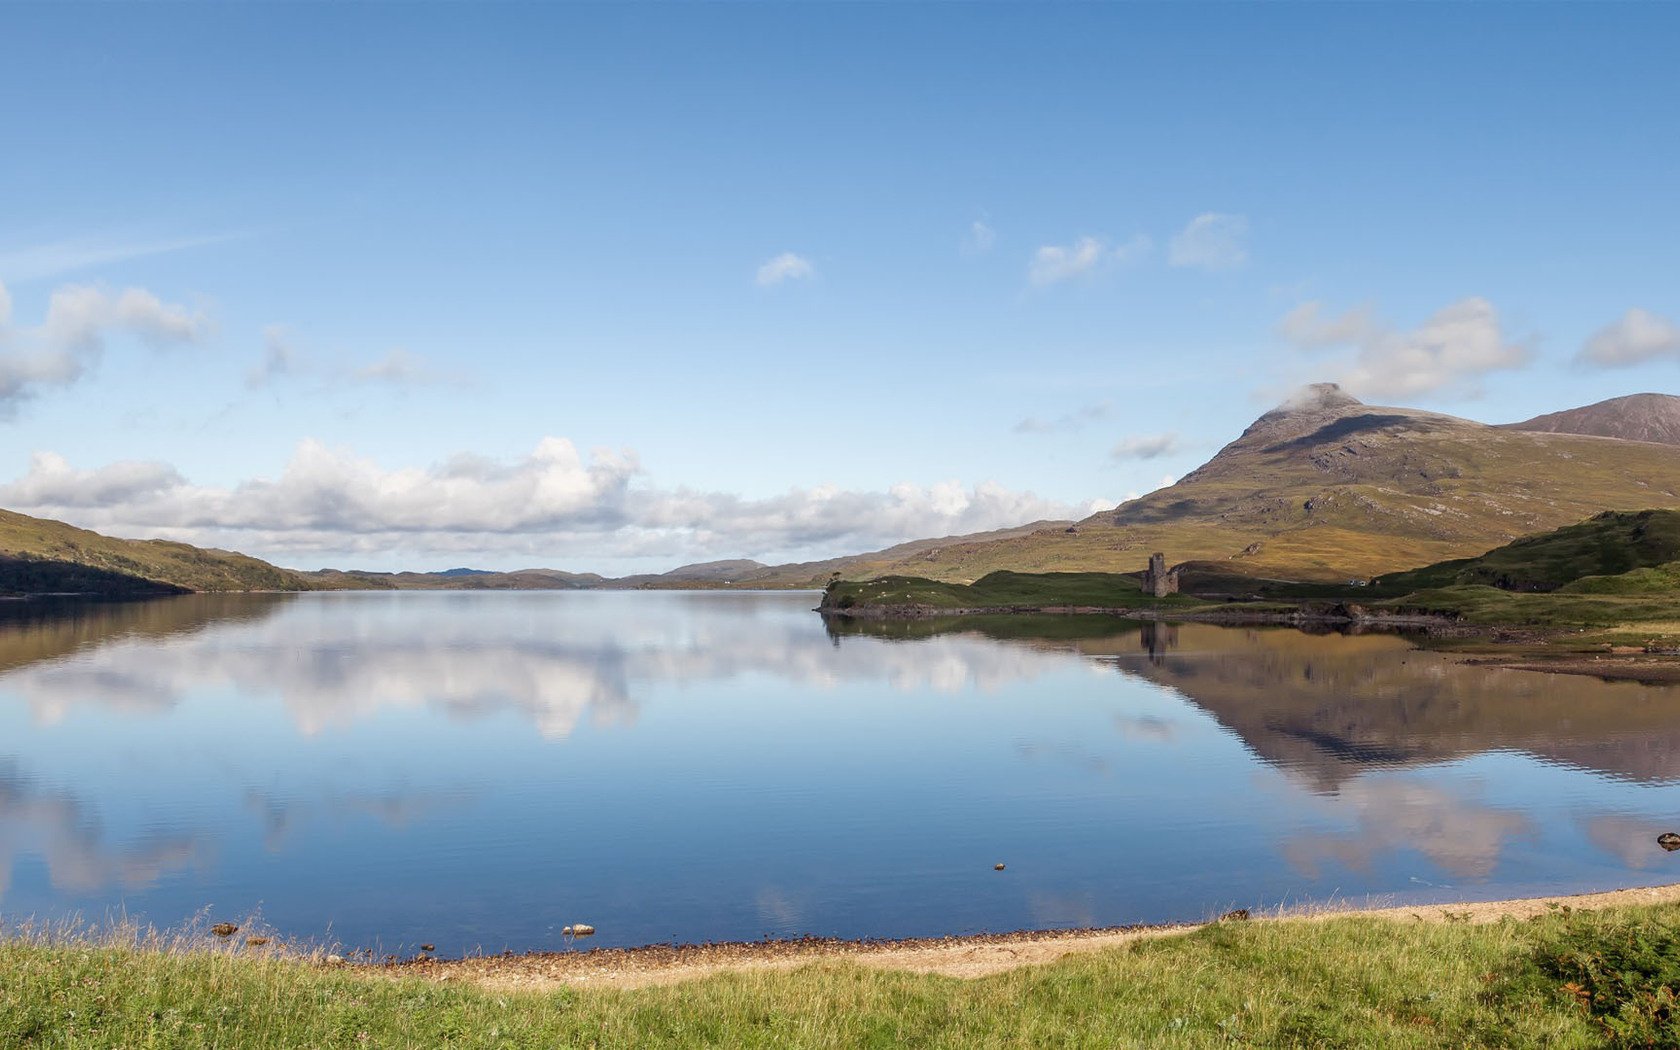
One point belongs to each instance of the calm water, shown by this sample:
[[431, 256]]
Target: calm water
[[478, 770]]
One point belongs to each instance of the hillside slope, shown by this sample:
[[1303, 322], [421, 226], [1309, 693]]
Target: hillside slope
[[1326, 488], [1607, 545], [38, 555], [1636, 417]]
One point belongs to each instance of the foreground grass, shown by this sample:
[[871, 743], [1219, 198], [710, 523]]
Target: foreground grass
[[1562, 980]]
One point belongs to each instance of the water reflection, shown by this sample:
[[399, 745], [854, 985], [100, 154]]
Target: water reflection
[[477, 769], [1330, 706], [71, 841], [342, 659]]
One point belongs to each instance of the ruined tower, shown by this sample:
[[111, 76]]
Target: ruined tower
[[1158, 580]]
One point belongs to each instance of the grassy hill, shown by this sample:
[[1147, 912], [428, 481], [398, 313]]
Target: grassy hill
[[1606, 546], [38, 555], [1323, 489]]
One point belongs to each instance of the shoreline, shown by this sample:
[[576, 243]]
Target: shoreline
[[966, 957]]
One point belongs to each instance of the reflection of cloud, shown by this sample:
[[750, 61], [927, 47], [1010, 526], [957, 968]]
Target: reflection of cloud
[[397, 809], [335, 660], [1151, 728], [1631, 839], [1461, 836], [69, 839]]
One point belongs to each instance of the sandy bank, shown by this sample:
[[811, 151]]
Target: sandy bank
[[965, 957]]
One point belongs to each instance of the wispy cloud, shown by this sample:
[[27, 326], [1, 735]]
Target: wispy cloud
[[1068, 422], [1636, 337], [1055, 263], [71, 337], [279, 358], [979, 239], [38, 261], [1211, 241], [399, 367], [1151, 446], [785, 267], [1448, 353]]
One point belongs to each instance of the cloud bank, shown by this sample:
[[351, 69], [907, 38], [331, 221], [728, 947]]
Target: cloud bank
[[554, 505]]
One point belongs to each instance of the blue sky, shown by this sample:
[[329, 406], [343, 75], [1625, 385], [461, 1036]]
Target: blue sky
[[371, 284]]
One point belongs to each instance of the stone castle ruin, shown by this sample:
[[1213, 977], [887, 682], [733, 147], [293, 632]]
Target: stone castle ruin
[[1158, 580]]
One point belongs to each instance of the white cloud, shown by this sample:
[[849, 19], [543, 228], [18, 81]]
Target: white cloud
[[1448, 354], [980, 238], [785, 267], [1308, 325], [71, 338], [1054, 263], [1638, 336], [1211, 241], [1152, 446], [554, 503]]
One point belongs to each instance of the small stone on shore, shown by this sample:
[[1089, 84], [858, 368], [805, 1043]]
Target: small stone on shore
[[1234, 916], [256, 942]]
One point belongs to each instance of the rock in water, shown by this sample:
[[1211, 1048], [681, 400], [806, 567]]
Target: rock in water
[[997, 867], [1668, 840], [581, 929], [224, 929]]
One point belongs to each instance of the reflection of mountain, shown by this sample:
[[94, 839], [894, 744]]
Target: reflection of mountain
[[69, 838], [342, 658], [1330, 706], [42, 629]]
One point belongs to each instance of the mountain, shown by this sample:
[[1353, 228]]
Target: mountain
[[1325, 487], [1636, 417], [39, 556]]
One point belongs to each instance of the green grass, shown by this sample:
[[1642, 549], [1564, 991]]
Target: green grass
[[1000, 590], [1605, 545], [1344, 982]]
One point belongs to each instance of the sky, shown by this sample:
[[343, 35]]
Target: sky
[[620, 287]]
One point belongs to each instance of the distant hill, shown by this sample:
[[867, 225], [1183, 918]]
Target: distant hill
[[453, 580], [1324, 487], [38, 555], [1636, 417]]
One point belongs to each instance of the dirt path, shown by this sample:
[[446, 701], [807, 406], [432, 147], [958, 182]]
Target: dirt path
[[952, 957]]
